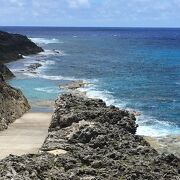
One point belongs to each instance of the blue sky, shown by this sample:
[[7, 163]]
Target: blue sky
[[119, 13]]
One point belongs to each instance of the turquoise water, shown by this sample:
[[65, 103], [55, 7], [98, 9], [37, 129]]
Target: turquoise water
[[134, 69]]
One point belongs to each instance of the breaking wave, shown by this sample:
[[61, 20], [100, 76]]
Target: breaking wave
[[45, 41]]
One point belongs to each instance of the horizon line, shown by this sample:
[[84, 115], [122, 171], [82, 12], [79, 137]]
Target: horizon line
[[46, 26]]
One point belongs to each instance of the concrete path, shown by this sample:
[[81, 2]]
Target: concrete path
[[25, 135]]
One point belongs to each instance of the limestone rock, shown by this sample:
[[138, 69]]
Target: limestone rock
[[89, 140], [13, 104], [5, 73], [73, 85]]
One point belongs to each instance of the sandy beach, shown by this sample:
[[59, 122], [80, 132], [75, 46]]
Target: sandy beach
[[25, 135]]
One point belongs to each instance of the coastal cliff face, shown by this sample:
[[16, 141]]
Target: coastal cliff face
[[13, 47], [89, 140], [5, 73], [13, 104]]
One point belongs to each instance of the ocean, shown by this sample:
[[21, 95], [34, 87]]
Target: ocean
[[137, 69]]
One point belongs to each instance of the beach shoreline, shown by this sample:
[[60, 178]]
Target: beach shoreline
[[25, 135]]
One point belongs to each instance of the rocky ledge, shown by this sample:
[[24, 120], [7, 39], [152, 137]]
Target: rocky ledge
[[74, 85], [91, 141], [5, 73], [13, 47], [13, 104]]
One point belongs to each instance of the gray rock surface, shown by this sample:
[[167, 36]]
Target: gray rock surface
[[73, 85], [89, 140], [33, 67], [5, 73], [13, 104]]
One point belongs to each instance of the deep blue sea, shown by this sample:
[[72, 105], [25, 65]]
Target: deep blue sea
[[132, 68]]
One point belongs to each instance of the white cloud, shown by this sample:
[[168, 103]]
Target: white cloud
[[91, 12], [78, 3], [19, 3]]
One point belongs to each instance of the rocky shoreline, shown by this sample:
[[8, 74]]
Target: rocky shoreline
[[89, 140], [14, 47], [13, 104]]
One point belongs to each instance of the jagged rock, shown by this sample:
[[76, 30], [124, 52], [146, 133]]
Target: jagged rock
[[34, 66], [5, 73], [14, 46], [89, 140], [13, 104], [73, 85]]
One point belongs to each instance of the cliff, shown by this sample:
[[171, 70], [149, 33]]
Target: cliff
[[13, 104], [13, 47], [5, 73], [89, 140]]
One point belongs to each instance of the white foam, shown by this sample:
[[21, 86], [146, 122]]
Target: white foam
[[45, 40], [42, 58], [54, 52], [156, 131], [150, 126], [46, 62], [93, 92], [53, 78], [48, 89], [57, 78]]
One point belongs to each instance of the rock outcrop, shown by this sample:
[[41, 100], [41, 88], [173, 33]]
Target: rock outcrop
[[33, 67], [74, 85], [5, 73], [89, 140], [13, 47], [13, 104]]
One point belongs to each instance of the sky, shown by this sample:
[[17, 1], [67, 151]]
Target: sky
[[87, 13]]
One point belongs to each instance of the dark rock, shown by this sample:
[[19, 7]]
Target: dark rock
[[13, 104], [14, 46], [34, 66], [100, 143], [5, 73]]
